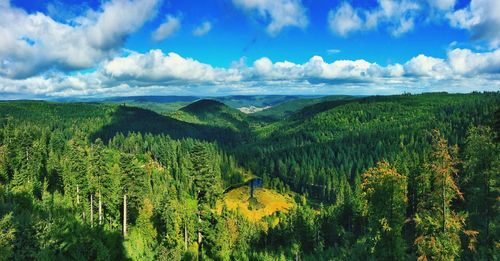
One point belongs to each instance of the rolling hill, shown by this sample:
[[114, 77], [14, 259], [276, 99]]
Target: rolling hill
[[213, 113]]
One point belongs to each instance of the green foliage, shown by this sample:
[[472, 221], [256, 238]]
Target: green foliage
[[385, 192], [438, 225], [55, 156], [7, 236], [141, 243], [288, 108], [481, 176]]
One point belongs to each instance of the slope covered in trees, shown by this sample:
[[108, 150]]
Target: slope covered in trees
[[385, 178]]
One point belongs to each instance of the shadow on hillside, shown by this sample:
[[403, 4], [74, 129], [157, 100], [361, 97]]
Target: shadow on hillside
[[131, 119]]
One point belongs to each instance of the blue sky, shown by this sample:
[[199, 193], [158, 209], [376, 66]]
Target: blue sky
[[218, 47]]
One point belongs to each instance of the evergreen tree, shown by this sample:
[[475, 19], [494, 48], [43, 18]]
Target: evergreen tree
[[141, 242], [7, 236], [97, 169], [385, 192], [206, 182], [481, 167], [438, 225], [134, 184]]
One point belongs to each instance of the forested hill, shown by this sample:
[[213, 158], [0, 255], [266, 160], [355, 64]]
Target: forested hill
[[342, 138], [360, 178], [214, 113], [285, 109]]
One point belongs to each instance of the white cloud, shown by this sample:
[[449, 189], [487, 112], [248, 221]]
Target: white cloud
[[155, 66], [279, 13], [157, 73], [34, 43], [465, 62], [395, 16], [202, 29], [427, 67], [119, 18], [171, 25], [481, 18], [460, 63], [344, 20]]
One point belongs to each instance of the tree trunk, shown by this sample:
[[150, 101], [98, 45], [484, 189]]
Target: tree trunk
[[100, 209], [125, 215], [199, 236], [77, 195], [185, 237], [91, 210]]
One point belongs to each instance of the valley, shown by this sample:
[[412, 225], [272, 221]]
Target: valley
[[114, 181]]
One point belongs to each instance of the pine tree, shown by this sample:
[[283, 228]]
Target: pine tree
[[7, 236], [438, 225], [385, 192], [75, 175], [4, 175], [96, 170], [481, 167], [206, 182], [134, 184]]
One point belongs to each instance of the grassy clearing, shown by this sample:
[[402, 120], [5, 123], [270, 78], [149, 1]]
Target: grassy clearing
[[265, 202]]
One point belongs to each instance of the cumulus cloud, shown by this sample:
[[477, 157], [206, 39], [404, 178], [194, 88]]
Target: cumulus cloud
[[155, 66], [171, 25], [481, 18], [466, 62], [202, 29], [344, 20], [155, 72], [110, 27], [278, 13], [424, 66], [397, 16], [34, 43]]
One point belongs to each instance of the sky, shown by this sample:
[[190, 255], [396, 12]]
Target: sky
[[70, 48]]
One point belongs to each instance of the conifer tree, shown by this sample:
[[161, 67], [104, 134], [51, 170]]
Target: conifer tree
[[385, 192], [482, 170], [206, 182], [438, 226]]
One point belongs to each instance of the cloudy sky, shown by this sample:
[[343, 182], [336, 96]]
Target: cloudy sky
[[96, 48]]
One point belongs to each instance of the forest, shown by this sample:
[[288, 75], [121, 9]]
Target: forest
[[401, 177]]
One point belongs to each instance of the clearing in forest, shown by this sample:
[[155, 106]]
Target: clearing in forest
[[264, 203]]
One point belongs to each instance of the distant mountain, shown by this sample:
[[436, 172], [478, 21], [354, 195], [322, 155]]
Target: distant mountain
[[238, 101], [285, 109], [164, 104], [163, 99], [213, 113]]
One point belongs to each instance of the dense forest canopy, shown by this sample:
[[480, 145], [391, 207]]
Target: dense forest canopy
[[402, 177]]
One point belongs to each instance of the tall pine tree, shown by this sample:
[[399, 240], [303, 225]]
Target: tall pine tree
[[385, 192], [438, 226]]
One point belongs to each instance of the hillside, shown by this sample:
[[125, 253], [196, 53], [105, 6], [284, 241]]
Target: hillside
[[346, 137], [238, 101], [213, 113], [285, 109], [323, 170]]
